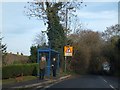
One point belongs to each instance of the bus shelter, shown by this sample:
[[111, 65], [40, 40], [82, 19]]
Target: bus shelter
[[49, 55]]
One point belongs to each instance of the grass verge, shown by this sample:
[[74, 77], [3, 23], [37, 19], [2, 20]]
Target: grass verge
[[13, 80]]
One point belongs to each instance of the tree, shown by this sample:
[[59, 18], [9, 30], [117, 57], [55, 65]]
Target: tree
[[39, 42], [51, 13], [87, 48], [111, 32], [22, 54], [33, 54], [111, 50], [118, 56], [3, 47], [65, 11], [118, 44], [40, 39], [3, 51]]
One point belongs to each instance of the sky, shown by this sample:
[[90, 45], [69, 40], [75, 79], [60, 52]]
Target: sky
[[19, 31]]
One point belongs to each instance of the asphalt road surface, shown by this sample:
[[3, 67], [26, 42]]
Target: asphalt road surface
[[88, 81]]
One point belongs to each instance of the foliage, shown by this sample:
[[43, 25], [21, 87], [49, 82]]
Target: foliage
[[42, 10], [112, 31], [14, 70], [33, 53], [40, 39], [92, 49], [13, 80], [87, 48], [16, 62], [118, 44], [111, 50], [55, 16], [3, 47]]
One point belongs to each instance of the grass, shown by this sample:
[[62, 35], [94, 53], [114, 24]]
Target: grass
[[27, 78], [13, 80]]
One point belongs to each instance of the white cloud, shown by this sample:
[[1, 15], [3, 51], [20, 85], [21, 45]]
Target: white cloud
[[100, 25], [18, 43], [21, 42], [98, 15], [98, 21]]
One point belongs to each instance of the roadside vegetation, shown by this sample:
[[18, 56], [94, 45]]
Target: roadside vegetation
[[91, 48], [13, 80]]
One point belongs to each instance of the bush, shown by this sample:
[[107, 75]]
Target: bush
[[14, 70]]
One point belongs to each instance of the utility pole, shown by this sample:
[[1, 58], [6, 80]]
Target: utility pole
[[66, 18], [66, 35], [67, 8]]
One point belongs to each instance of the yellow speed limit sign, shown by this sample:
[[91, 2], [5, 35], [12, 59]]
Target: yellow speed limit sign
[[68, 50]]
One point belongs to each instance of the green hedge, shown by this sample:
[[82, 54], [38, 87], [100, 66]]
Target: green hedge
[[12, 71]]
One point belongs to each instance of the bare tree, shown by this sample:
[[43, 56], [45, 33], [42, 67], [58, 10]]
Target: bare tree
[[87, 48], [42, 11], [40, 39], [111, 32]]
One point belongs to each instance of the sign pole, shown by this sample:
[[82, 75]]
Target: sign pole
[[68, 51], [65, 64]]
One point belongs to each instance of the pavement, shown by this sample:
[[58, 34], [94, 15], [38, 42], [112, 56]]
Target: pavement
[[88, 82], [36, 83]]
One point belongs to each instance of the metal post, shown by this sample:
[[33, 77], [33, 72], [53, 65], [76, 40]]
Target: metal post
[[58, 62], [66, 32], [48, 64], [65, 64], [66, 17]]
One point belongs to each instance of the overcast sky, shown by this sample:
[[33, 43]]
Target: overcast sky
[[19, 31]]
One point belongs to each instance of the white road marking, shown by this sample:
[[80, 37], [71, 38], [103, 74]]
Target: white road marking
[[105, 80], [108, 83], [112, 87]]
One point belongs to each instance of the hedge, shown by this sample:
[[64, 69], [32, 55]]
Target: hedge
[[11, 71]]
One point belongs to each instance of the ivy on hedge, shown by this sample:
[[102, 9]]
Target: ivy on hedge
[[11, 71]]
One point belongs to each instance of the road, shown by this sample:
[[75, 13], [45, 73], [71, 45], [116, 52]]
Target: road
[[88, 81]]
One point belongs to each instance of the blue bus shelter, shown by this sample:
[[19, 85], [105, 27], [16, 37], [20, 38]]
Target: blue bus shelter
[[49, 52]]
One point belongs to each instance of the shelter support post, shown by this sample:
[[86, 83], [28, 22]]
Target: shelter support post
[[58, 63]]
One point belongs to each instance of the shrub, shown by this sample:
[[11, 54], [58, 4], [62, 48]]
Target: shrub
[[14, 70]]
